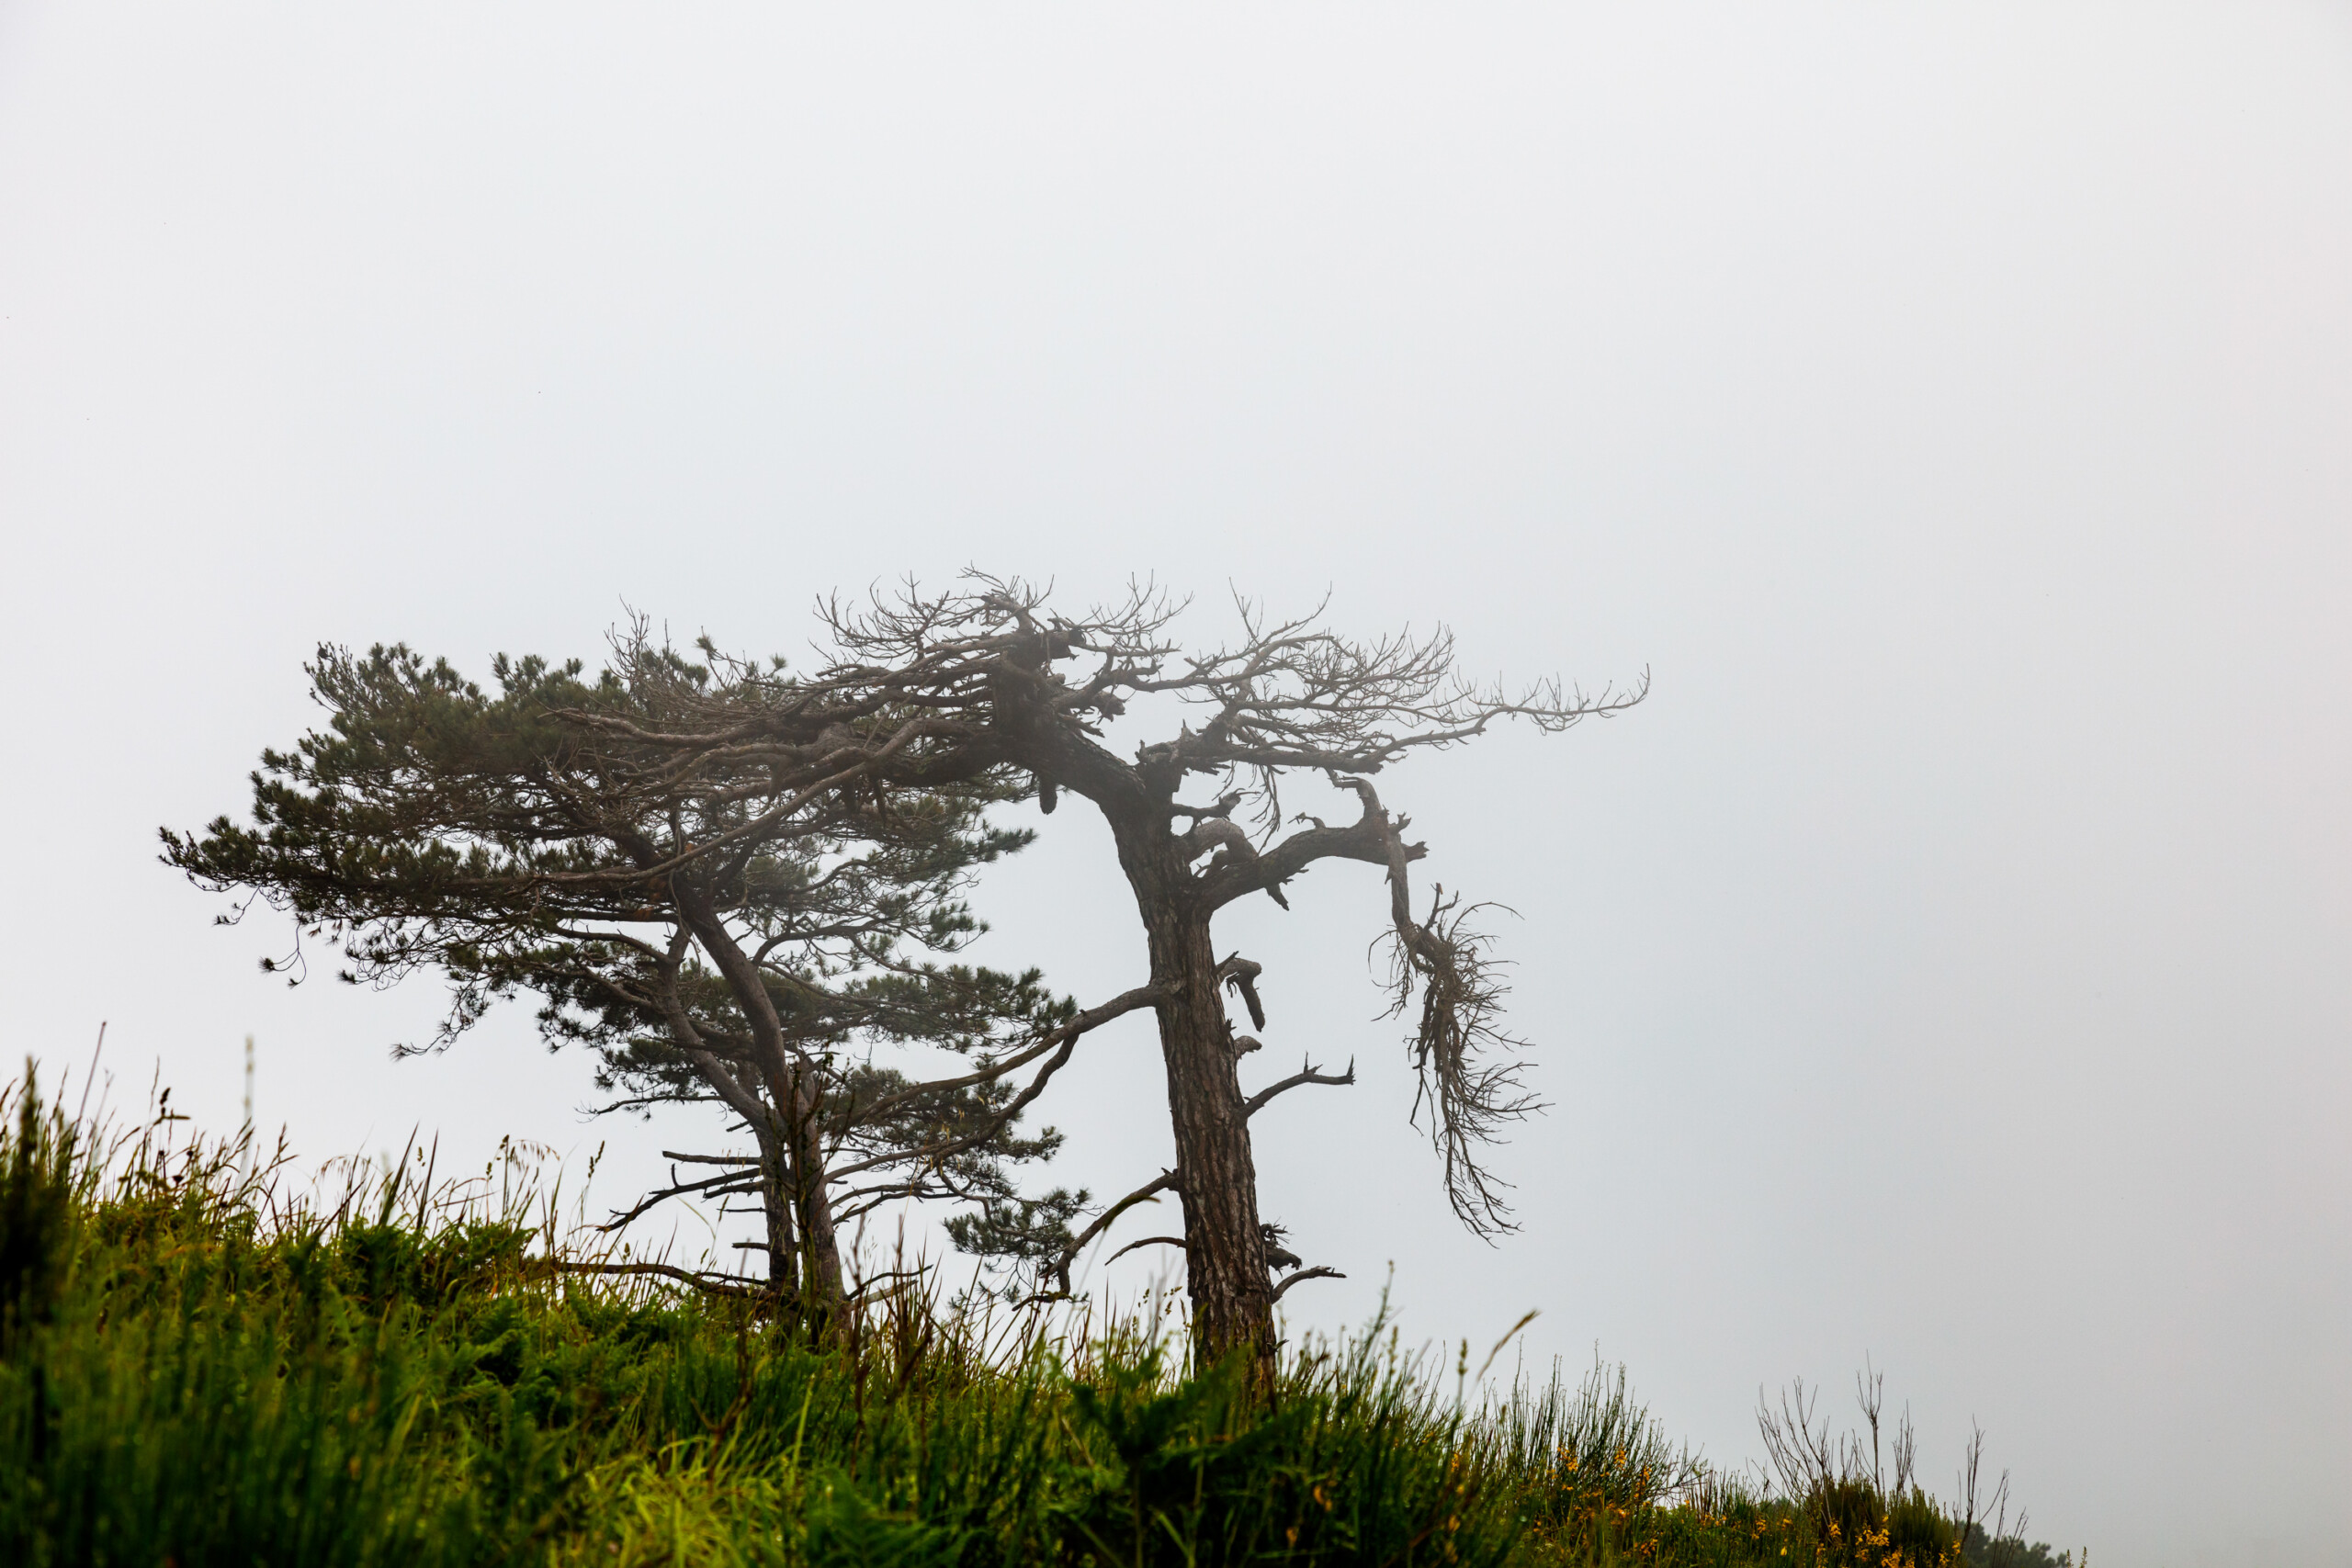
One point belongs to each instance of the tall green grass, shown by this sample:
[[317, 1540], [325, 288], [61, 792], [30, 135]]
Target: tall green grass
[[197, 1367]]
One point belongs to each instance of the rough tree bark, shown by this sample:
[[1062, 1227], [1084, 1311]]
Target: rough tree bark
[[1216, 1173]]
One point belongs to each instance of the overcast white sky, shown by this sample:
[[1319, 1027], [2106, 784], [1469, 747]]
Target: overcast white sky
[[1951, 405]]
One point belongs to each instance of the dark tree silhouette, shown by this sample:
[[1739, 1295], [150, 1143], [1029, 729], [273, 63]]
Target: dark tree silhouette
[[936, 692], [710, 927]]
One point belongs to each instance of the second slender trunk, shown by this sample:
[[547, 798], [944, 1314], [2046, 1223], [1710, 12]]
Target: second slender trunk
[[802, 1139], [777, 1206]]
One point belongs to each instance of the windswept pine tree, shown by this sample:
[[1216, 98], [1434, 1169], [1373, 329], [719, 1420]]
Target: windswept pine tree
[[713, 927]]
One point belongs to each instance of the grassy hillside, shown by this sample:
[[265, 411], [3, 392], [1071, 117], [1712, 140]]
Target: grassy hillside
[[196, 1369]]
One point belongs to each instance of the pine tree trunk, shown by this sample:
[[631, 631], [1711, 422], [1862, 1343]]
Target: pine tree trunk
[[817, 1248], [1225, 1252], [820, 1282]]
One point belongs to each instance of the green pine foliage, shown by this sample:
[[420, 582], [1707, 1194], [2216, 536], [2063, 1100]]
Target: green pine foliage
[[199, 1369]]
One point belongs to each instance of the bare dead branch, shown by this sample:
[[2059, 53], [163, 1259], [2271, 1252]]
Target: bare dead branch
[[1058, 1270], [1319, 1271], [727, 1185], [1061, 1035], [711, 1285], [1305, 1075], [1148, 1241], [1240, 976]]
